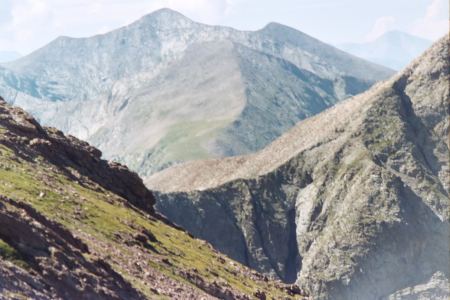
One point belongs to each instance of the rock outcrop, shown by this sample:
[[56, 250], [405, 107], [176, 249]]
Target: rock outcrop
[[77, 158], [350, 204]]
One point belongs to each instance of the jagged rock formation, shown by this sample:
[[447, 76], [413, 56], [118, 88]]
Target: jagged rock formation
[[73, 226], [164, 83], [351, 204]]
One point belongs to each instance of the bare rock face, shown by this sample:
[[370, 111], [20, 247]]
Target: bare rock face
[[351, 204], [79, 159]]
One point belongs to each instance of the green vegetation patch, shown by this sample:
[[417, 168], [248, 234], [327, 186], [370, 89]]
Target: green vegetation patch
[[7, 252], [185, 140], [104, 216]]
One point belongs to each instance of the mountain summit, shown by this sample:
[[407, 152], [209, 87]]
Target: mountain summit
[[352, 203], [143, 92], [394, 49]]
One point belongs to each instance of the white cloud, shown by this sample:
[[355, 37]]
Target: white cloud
[[25, 16], [435, 22], [381, 26]]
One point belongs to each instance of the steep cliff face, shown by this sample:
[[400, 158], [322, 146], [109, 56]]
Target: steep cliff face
[[352, 203], [164, 83], [73, 226]]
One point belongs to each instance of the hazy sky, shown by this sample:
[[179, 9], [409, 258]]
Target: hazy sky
[[29, 24]]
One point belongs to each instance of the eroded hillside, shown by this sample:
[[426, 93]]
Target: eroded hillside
[[351, 204], [73, 226]]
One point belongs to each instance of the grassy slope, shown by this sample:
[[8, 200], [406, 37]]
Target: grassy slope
[[102, 220]]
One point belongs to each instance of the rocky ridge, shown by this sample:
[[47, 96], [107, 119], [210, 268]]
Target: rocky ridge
[[132, 93], [75, 226], [350, 204]]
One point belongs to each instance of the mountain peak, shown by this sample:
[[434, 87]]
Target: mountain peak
[[394, 35], [159, 48], [394, 49], [274, 26], [165, 14]]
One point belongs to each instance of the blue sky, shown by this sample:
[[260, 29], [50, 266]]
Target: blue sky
[[26, 25]]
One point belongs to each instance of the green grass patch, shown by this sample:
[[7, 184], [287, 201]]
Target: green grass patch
[[7, 252], [185, 140], [102, 215]]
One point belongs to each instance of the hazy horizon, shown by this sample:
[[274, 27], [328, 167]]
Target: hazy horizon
[[26, 25]]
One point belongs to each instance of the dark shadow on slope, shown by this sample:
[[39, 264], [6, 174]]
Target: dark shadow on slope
[[293, 262]]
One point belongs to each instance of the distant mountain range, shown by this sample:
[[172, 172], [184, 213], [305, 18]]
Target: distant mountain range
[[6, 56], [394, 49], [352, 203], [165, 89]]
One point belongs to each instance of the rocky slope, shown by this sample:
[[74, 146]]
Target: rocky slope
[[164, 83], [394, 49], [351, 204], [73, 226]]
